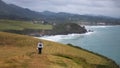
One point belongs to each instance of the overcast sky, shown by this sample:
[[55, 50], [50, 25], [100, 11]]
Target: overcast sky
[[96, 7]]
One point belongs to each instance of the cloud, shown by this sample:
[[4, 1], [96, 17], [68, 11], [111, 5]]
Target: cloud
[[97, 7]]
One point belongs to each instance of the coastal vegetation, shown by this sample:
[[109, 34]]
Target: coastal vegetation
[[19, 51], [21, 25], [38, 29], [68, 28]]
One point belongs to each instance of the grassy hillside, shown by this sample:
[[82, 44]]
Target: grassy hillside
[[20, 25], [19, 51]]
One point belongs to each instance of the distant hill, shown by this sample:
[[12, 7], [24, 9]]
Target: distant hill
[[11, 11], [63, 17]]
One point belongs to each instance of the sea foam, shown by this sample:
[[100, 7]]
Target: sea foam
[[58, 38]]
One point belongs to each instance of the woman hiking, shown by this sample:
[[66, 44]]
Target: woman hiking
[[40, 46]]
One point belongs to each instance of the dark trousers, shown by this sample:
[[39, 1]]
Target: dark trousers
[[39, 50]]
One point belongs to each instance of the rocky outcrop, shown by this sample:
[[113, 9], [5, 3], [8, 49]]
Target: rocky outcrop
[[67, 28]]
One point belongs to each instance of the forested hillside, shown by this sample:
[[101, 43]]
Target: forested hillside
[[11, 11]]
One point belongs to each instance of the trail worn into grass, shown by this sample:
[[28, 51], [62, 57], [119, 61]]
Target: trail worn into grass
[[19, 51]]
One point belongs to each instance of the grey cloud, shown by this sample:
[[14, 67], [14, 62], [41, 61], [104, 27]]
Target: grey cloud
[[98, 7], [116, 3]]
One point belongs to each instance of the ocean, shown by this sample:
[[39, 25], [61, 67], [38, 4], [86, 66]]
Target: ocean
[[104, 40]]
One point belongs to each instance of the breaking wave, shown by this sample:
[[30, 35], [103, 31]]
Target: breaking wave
[[57, 38]]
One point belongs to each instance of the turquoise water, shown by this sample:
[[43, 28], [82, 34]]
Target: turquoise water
[[104, 40]]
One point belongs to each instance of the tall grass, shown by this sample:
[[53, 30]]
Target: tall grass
[[19, 51]]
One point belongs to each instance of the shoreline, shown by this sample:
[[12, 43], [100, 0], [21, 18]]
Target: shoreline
[[109, 59], [78, 47], [112, 57]]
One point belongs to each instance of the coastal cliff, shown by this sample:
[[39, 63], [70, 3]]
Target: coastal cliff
[[68, 28], [19, 51]]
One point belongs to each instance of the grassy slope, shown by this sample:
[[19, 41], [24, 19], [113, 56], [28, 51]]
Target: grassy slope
[[19, 51], [20, 25]]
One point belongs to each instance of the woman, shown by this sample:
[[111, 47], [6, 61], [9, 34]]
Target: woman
[[40, 46]]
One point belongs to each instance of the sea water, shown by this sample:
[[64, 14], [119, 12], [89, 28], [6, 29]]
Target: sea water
[[104, 40]]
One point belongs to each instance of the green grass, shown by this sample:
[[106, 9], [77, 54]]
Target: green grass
[[20, 25], [19, 51]]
